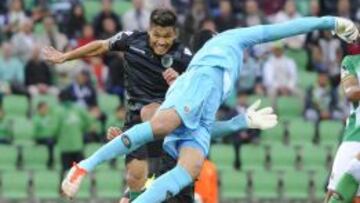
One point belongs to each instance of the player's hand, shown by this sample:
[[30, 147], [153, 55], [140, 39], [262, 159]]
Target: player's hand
[[53, 56], [113, 132], [170, 75], [346, 30], [260, 118]]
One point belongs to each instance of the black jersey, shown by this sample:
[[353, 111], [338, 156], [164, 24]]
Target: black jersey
[[144, 82]]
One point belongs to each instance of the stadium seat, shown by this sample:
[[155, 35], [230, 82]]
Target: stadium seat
[[289, 107], [234, 184], [282, 157], [15, 105], [8, 157], [265, 101], [108, 184], [222, 155], [273, 135], [265, 184], [35, 157], [108, 103], [301, 131], [313, 157], [320, 180], [252, 157], [51, 100], [15, 185], [23, 130], [330, 132], [299, 56], [85, 189], [296, 184], [93, 7], [46, 185]]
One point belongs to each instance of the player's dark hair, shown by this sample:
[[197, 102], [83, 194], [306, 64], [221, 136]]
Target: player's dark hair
[[200, 38], [163, 17]]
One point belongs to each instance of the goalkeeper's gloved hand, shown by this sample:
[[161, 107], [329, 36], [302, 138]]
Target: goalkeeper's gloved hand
[[260, 119], [346, 30]]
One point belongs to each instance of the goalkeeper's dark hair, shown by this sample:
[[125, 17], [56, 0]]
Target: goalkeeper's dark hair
[[163, 17], [200, 38]]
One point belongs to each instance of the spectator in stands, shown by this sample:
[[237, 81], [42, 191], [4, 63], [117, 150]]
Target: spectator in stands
[[250, 76], [253, 16], [106, 12], [193, 19], [280, 73], [320, 100], [226, 19], [109, 28], [100, 71], [24, 41], [153, 4], [5, 128], [11, 68], [82, 90], [45, 128], [331, 55], [14, 17], [343, 9], [115, 81], [118, 119], [52, 37], [96, 130], [76, 22], [38, 76], [289, 13], [208, 24], [272, 7], [243, 136], [136, 18], [86, 36], [312, 38], [74, 122]]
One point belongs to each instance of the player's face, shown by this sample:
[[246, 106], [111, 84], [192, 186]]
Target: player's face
[[161, 38]]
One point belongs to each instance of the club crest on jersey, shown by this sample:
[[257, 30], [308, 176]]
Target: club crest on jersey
[[126, 140]]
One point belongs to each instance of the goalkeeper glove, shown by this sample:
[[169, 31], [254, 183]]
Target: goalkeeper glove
[[260, 119], [346, 30]]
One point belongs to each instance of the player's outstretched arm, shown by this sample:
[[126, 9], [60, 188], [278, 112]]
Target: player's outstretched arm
[[94, 48], [253, 118], [342, 27]]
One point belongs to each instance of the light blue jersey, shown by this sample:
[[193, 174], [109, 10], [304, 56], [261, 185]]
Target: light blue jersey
[[226, 49]]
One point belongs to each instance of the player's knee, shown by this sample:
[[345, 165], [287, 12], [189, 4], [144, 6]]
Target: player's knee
[[164, 122], [148, 111], [193, 169]]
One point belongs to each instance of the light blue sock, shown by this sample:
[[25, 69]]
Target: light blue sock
[[224, 128], [121, 145], [166, 186]]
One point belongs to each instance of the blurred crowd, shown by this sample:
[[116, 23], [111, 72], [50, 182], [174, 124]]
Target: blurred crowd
[[269, 70]]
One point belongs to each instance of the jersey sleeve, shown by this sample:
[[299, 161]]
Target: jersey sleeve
[[347, 68], [119, 42]]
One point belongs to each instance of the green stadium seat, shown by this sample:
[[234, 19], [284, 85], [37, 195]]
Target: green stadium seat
[[301, 131], [222, 155], [289, 107], [108, 103], [296, 184], [234, 184], [108, 184], [35, 157], [313, 157], [306, 79], [23, 130], [265, 101], [15, 185], [330, 132], [93, 7], [320, 180], [8, 157], [15, 105], [265, 184], [273, 135], [282, 157], [300, 57], [253, 157], [85, 189], [46, 185]]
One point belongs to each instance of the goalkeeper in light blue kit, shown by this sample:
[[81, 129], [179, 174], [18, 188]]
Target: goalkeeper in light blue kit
[[187, 115]]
